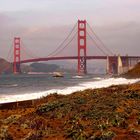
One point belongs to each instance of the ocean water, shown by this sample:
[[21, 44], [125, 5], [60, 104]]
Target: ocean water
[[25, 87]]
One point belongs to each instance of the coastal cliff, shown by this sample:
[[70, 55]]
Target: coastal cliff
[[5, 66], [133, 73]]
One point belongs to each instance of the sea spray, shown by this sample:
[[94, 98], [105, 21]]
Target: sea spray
[[68, 90]]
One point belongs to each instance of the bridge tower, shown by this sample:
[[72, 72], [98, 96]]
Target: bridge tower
[[82, 66], [16, 64], [112, 65]]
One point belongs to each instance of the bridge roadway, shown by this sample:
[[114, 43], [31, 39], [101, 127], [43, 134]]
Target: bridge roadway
[[74, 57]]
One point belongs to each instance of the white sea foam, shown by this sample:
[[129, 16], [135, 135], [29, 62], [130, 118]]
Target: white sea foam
[[77, 76], [68, 90], [8, 86], [97, 78]]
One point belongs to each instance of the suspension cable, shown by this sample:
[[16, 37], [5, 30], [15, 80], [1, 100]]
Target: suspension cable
[[97, 37], [9, 53], [28, 51], [61, 44], [96, 44], [66, 44]]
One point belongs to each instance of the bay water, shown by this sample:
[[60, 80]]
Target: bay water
[[33, 86]]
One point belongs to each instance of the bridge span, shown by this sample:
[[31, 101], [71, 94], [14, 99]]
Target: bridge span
[[115, 64], [75, 58]]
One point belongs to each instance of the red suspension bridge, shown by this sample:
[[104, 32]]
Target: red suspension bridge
[[115, 64]]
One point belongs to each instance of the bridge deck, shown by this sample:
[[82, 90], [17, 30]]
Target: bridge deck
[[75, 57]]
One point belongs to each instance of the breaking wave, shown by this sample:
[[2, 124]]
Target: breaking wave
[[8, 86], [68, 90], [77, 76]]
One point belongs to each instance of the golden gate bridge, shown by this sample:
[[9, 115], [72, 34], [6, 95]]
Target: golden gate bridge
[[115, 64]]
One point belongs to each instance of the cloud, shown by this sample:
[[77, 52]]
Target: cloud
[[42, 30], [121, 38], [5, 19]]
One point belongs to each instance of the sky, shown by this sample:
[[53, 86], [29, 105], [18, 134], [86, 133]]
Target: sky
[[44, 24]]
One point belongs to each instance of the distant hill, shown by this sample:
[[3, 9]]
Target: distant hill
[[133, 73], [41, 67], [5, 67]]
